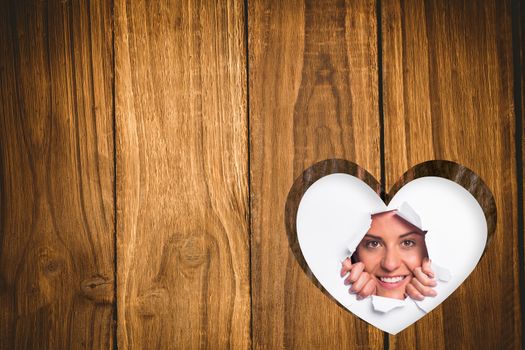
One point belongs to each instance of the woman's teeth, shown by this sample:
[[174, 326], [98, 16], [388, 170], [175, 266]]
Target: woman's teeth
[[392, 279]]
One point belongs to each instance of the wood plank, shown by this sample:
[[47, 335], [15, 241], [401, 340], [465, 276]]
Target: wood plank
[[448, 94], [519, 41], [56, 175], [313, 96], [518, 19], [182, 175]]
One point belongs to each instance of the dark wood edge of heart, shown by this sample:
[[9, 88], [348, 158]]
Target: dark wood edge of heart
[[440, 168]]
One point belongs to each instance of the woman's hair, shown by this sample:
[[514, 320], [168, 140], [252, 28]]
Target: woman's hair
[[355, 258]]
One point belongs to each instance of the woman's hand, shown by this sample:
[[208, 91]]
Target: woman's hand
[[363, 284], [420, 286]]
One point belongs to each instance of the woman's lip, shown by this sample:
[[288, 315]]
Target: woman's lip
[[388, 285]]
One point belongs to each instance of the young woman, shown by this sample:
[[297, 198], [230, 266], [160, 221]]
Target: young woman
[[390, 261]]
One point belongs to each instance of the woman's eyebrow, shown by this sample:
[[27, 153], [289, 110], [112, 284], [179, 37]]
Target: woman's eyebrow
[[374, 237], [410, 233]]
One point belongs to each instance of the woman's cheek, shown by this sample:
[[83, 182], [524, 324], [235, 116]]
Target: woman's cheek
[[413, 260], [371, 262]]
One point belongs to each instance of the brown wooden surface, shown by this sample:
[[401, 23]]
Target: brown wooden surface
[[448, 95], [176, 89], [518, 21], [56, 178], [182, 176], [519, 41], [313, 95]]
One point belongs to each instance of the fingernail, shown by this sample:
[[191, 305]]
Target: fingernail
[[359, 297], [347, 283], [434, 293]]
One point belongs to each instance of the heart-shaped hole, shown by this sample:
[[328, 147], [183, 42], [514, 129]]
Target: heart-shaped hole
[[434, 173]]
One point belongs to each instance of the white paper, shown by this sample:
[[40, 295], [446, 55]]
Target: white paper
[[333, 216], [383, 304]]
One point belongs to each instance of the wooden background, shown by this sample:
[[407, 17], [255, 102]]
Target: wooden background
[[147, 149]]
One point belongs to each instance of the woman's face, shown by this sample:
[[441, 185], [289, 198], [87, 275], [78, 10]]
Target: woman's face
[[390, 251]]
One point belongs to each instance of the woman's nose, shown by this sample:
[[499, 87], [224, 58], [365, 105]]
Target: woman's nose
[[391, 261]]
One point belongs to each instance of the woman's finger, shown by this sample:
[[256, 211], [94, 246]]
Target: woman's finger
[[426, 291], [360, 282], [355, 274], [368, 289], [423, 277], [347, 266], [427, 267], [413, 292]]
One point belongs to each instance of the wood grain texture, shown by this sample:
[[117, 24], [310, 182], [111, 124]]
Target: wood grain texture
[[519, 46], [313, 96], [518, 43], [182, 176], [448, 94], [56, 175], [521, 43]]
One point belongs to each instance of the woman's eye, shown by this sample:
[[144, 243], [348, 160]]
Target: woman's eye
[[372, 244], [408, 243]]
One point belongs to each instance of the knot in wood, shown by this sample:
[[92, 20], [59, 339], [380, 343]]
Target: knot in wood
[[194, 251], [98, 289], [50, 261], [153, 303]]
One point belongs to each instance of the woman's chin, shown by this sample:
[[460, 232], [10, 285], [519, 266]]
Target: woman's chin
[[394, 294]]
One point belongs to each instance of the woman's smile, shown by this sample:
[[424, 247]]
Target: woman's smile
[[393, 282]]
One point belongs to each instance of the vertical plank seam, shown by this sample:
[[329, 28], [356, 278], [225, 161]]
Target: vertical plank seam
[[115, 211], [380, 99], [386, 339], [248, 141], [516, 52]]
